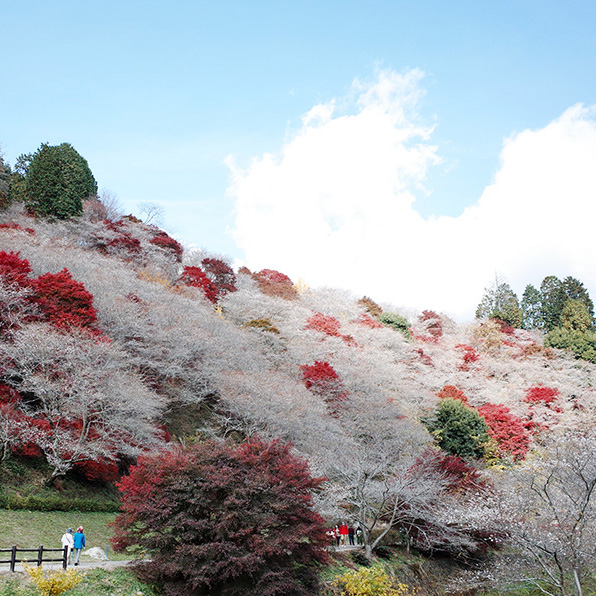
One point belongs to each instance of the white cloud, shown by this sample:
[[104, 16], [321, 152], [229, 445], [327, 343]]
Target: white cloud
[[336, 206]]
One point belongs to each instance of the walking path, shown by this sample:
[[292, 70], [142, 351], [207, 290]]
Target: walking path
[[5, 567]]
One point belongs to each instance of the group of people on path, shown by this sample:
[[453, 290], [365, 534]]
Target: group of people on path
[[74, 542], [344, 535]]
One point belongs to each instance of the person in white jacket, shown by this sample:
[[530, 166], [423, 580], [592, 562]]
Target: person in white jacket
[[68, 540]]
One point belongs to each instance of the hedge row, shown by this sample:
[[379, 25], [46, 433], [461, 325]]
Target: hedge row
[[15, 502]]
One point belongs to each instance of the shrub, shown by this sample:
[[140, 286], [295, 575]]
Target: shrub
[[274, 283], [56, 503], [433, 323], [370, 581], [53, 583], [221, 274], [223, 518], [546, 395], [322, 380], [458, 429], [397, 322], [58, 181], [509, 431], [264, 324], [14, 269], [368, 321], [582, 344], [372, 308], [196, 277], [327, 325], [168, 243], [64, 301]]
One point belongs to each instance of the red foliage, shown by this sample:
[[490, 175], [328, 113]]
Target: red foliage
[[324, 324], [196, 277], [458, 475], [64, 301], [226, 519], [15, 226], [13, 269], [323, 381], [506, 429], [368, 321], [168, 243], [327, 325], [100, 470], [470, 355], [221, 274], [125, 242], [541, 394], [274, 283], [434, 324], [452, 392], [8, 395]]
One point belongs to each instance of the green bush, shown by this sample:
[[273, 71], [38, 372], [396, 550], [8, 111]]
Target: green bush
[[581, 343], [458, 429], [57, 182], [56, 503], [396, 321]]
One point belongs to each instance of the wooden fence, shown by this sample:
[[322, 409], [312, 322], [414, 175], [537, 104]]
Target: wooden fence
[[14, 559]]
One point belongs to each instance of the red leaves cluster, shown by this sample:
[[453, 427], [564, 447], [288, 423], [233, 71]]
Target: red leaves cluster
[[470, 355], [197, 278], [322, 380], [14, 269], [224, 518], [367, 321], [433, 323], [452, 392], [64, 301], [221, 274], [507, 430], [274, 283], [15, 226], [168, 243], [100, 470], [545, 395], [327, 325]]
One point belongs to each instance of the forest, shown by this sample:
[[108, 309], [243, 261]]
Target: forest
[[253, 413]]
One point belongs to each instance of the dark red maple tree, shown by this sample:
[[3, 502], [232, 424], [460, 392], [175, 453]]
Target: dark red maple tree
[[222, 519]]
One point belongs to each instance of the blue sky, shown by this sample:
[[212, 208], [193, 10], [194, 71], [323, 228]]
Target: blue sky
[[157, 95]]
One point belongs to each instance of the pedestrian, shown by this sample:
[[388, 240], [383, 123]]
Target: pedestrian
[[79, 544], [343, 532], [337, 534], [351, 535], [359, 536], [68, 541]]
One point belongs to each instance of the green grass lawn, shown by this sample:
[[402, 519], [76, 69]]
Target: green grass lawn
[[29, 529]]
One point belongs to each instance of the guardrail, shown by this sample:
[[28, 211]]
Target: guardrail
[[14, 551]]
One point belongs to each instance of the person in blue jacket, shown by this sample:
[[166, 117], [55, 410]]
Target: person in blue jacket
[[79, 544]]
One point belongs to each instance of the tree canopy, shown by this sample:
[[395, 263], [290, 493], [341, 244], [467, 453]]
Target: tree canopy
[[219, 518], [57, 182]]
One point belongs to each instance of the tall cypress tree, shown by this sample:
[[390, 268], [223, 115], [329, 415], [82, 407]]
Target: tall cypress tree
[[58, 180]]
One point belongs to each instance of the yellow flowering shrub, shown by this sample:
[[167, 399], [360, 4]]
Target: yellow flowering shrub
[[54, 583], [371, 581]]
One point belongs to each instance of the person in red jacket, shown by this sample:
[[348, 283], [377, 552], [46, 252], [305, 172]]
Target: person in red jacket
[[343, 533]]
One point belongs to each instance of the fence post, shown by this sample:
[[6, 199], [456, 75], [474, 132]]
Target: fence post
[[40, 555], [65, 557], [13, 558]]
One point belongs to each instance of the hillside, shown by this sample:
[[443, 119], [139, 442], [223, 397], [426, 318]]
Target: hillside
[[159, 345]]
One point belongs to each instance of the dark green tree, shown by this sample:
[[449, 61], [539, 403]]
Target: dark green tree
[[532, 308], [19, 177], [575, 290], [5, 176], [553, 299], [458, 429], [500, 302], [58, 181], [575, 316]]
